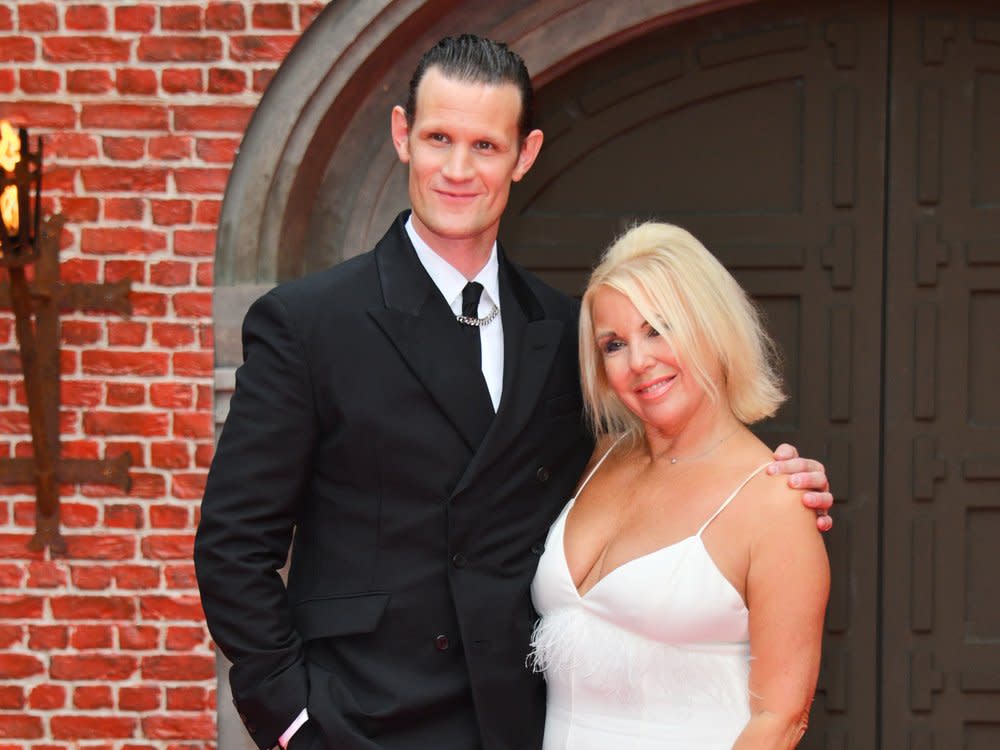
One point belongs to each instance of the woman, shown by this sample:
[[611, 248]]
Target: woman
[[682, 589]]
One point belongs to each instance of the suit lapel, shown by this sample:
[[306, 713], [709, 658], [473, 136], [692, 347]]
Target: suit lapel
[[530, 345], [420, 325]]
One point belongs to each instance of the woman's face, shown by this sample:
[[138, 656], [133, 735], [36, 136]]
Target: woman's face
[[642, 365]]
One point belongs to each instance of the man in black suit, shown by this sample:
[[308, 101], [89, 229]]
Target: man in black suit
[[419, 433]]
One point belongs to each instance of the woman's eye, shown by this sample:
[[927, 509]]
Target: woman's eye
[[613, 345]]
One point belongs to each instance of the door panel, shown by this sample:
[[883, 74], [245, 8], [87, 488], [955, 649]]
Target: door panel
[[941, 637], [762, 130]]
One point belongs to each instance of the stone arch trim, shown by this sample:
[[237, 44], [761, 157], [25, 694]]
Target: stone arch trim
[[316, 179]]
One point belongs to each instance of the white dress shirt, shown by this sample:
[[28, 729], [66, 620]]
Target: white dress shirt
[[450, 282]]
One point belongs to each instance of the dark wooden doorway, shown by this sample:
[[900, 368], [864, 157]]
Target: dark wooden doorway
[[843, 159]]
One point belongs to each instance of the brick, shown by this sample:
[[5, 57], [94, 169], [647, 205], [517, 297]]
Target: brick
[[86, 18], [170, 455], [171, 608], [123, 516], [185, 638], [170, 516], [193, 304], [124, 149], [38, 115], [194, 242], [135, 18], [91, 727], [173, 335], [40, 81], [92, 607], [170, 147], [138, 637], [225, 16], [181, 18], [88, 81], [271, 48], [193, 425], [149, 303], [78, 270], [178, 727], [168, 547], [124, 179], [140, 698], [6, 18], [17, 49], [47, 637], [148, 485], [213, 117], [168, 212], [262, 79], [125, 423], [116, 270], [85, 49], [125, 209], [203, 455], [14, 422], [62, 180], [80, 449], [115, 448], [136, 81], [79, 209], [182, 81], [126, 394], [170, 273], [124, 363], [91, 637], [180, 577], [129, 333], [92, 666], [171, 395], [14, 545], [47, 697], [179, 49], [11, 697], [8, 80], [91, 577], [208, 211], [19, 666], [271, 16], [21, 726], [100, 547], [72, 146], [37, 17], [79, 515], [218, 150], [137, 576], [80, 332], [11, 577], [121, 240], [193, 364], [191, 698], [20, 607], [226, 81], [46, 575], [308, 13], [92, 696], [205, 276], [124, 116], [183, 668]]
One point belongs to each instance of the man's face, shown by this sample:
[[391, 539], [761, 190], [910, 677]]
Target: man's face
[[463, 152]]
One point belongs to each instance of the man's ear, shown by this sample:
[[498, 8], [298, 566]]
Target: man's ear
[[530, 147], [400, 134]]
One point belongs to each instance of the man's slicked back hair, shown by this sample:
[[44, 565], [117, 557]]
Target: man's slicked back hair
[[473, 59]]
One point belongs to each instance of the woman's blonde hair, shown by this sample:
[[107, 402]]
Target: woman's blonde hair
[[688, 296]]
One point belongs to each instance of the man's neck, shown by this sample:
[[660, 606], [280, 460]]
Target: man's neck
[[468, 256]]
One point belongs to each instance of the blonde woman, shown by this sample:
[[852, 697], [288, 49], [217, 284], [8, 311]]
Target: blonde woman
[[682, 589]]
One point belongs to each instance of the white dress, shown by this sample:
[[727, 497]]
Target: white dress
[[654, 657]]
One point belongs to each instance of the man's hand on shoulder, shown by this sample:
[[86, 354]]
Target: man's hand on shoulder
[[805, 474]]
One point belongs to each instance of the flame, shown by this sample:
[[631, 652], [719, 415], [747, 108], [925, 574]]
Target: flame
[[10, 155]]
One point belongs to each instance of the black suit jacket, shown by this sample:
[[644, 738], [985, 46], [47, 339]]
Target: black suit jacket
[[407, 614]]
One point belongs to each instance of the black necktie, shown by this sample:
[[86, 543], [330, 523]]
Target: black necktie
[[470, 309]]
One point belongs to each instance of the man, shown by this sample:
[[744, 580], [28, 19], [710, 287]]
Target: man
[[419, 433]]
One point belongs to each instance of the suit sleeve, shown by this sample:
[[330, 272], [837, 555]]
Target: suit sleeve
[[259, 474]]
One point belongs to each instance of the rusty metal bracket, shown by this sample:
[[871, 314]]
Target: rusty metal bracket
[[40, 303]]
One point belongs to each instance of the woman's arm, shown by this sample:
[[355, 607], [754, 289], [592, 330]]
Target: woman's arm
[[787, 586]]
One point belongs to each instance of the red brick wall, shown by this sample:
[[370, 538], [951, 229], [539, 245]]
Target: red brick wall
[[142, 105]]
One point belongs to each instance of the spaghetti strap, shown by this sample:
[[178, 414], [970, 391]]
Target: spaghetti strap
[[596, 467], [729, 499]]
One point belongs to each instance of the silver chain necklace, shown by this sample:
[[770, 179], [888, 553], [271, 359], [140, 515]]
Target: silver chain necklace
[[479, 322], [675, 459]]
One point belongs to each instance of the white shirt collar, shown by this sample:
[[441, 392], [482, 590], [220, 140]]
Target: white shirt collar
[[449, 280]]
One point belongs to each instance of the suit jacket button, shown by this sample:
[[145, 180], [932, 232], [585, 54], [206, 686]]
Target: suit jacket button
[[441, 643], [542, 474], [458, 560], [538, 548]]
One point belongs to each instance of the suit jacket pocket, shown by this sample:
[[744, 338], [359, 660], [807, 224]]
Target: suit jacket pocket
[[348, 614]]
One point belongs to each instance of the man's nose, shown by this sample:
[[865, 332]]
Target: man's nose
[[458, 165]]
